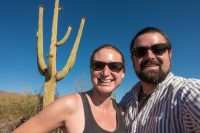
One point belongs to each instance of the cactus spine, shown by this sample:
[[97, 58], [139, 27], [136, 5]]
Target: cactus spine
[[49, 71]]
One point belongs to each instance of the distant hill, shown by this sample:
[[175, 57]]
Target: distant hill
[[7, 95]]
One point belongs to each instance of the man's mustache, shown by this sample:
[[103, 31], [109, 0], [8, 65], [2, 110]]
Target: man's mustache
[[149, 62]]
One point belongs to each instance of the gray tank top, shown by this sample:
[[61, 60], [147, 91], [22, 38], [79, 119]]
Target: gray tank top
[[90, 124]]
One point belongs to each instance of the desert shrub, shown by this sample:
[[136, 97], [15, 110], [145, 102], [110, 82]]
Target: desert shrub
[[17, 108]]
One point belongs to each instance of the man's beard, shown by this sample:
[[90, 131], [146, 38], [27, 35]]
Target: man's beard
[[152, 77]]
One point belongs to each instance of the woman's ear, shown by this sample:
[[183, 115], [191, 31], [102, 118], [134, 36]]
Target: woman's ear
[[123, 75]]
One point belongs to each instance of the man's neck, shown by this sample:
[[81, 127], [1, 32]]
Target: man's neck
[[148, 88]]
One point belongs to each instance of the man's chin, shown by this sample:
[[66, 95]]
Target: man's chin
[[150, 77]]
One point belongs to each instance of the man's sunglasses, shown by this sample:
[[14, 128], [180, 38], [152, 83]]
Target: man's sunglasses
[[113, 66], [157, 49]]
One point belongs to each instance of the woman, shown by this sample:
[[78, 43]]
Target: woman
[[93, 111]]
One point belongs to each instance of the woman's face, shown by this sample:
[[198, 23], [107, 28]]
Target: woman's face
[[105, 79]]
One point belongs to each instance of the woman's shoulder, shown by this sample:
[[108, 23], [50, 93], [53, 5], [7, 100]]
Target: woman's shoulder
[[70, 102]]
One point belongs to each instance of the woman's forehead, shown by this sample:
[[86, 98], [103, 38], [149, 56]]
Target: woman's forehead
[[106, 54]]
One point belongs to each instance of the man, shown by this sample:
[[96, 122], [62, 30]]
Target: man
[[160, 102]]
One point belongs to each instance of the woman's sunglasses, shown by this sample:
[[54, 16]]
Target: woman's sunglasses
[[157, 49], [113, 66]]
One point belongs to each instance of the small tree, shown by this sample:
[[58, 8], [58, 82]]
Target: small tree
[[81, 84]]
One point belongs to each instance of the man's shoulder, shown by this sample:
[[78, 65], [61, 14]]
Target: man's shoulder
[[186, 87], [129, 96], [182, 81], [133, 90]]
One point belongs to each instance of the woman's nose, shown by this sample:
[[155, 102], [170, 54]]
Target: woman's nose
[[106, 71]]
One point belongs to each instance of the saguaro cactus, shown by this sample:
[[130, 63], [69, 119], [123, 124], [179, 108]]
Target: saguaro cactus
[[49, 71]]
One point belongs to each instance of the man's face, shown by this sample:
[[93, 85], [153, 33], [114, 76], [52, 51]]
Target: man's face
[[151, 67]]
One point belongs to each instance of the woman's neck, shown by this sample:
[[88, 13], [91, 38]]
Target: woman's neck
[[100, 101]]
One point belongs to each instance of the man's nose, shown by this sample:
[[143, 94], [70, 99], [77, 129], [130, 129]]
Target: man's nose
[[150, 54]]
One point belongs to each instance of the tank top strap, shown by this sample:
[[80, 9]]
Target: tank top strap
[[87, 111]]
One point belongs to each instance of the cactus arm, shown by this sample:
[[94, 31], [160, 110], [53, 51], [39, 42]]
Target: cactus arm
[[65, 37], [60, 75], [40, 55], [52, 54], [55, 24]]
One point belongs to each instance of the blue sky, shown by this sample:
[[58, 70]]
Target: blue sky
[[107, 21]]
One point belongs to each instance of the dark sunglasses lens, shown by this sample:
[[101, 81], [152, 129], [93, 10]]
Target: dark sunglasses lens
[[97, 66], [115, 66], [159, 49], [140, 51]]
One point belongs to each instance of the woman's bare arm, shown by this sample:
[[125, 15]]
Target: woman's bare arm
[[48, 119]]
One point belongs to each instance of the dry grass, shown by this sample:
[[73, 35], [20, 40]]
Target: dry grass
[[17, 108]]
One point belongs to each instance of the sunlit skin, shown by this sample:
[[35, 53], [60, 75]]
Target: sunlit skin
[[147, 40], [106, 81]]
